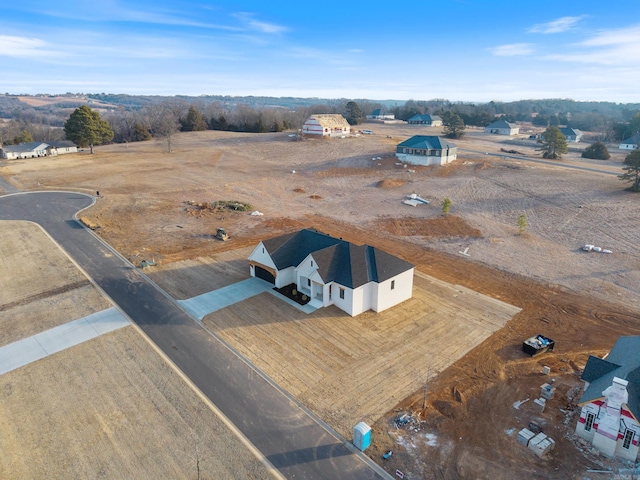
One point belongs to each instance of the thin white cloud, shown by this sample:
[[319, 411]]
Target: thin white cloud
[[607, 47], [25, 47], [513, 49], [257, 26], [559, 25]]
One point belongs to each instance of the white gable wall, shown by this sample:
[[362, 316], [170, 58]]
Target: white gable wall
[[386, 297]]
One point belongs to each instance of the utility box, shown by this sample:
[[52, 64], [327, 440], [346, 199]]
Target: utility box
[[362, 436]]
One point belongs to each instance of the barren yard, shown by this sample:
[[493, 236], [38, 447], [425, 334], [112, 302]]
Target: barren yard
[[109, 407], [352, 188]]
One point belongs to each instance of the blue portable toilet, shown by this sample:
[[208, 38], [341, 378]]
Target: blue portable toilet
[[362, 436]]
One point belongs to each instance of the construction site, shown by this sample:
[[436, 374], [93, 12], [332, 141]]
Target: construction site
[[441, 378]]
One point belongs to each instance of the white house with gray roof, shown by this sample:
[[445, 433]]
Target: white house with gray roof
[[332, 271], [630, 143], [25, 150], [425, 119], [572, 135], [502, 127], [426, 150], [610, 404]]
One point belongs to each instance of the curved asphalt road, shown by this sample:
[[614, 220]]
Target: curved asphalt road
[[296, 444]]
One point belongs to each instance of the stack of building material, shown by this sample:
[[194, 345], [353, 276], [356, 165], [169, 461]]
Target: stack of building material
[[525, 435], [541, 444]]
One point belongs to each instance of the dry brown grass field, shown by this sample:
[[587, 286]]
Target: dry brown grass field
[[352, 188], [110, 407]]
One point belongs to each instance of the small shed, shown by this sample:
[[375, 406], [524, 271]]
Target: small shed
[[502, 127]]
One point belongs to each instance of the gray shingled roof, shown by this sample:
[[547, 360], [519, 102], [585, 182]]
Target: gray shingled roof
[[338, 260], [502, 124], [623, 362], [570, 131], [634, 140], [425, 117], [426, 142], [24, 147], [62, 144]]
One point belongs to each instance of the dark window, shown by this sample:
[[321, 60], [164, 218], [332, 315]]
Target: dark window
[[628, 436], [393, 284], [589, 423], [308, 282], [342, 293]]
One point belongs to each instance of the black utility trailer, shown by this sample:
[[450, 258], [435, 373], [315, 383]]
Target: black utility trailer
[[537, 344]]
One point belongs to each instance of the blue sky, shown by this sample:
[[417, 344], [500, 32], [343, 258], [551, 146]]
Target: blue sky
[[462, 50]]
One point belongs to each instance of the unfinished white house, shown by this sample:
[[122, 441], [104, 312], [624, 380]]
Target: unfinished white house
[[326, 125], [332, 271], [426, 150], [611, 401], [502, 127], [426, 120]]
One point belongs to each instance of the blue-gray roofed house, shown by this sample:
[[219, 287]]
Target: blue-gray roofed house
[[571, 134], [379, 114], [610, 413], [425, 119], [502, 127], [332, 271], [630, 143], [25, 150], [426, 150]]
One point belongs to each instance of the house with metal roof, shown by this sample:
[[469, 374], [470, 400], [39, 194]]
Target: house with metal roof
[[326, 125], [425, 119], [24, 150], [610, 404], [502, 127], [332, 271], [571, 134], [426, 150], [630, 143], [379, 114]]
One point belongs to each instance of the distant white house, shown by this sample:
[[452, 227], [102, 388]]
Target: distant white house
[[630, 143], [326, 125], [572, 135], [502, 127], [426, 150], [332, 271], [610, 404], [425, 119], [61, 147], [24, 150], [378, 114], [37, 149]]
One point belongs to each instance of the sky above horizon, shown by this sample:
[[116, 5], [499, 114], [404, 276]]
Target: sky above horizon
[[460, 50]]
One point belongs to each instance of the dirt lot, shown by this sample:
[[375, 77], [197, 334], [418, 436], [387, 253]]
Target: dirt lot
[[583, 301], [107, 408]]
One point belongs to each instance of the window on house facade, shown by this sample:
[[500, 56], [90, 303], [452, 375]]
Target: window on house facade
[[393, 284], [342, 293], [588, 425], [628, 437], [312, 263], [308, 282]]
